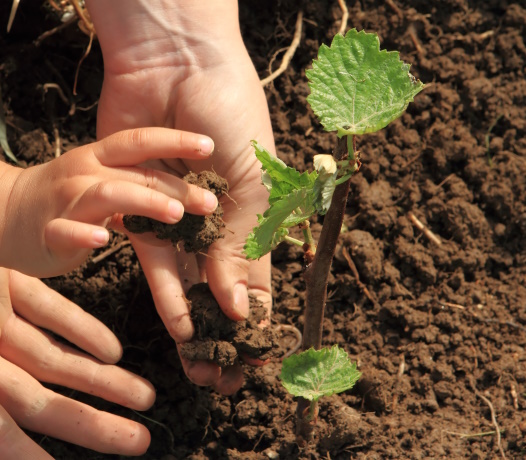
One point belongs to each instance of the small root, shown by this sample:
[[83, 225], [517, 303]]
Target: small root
[[345, 16], [297, 333], [493, 416], [84, 56], [287, 57]]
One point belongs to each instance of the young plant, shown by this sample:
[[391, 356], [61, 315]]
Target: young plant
[[355, 89]]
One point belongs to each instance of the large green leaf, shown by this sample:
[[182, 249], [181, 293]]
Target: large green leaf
[[356, 88], [316, 373]]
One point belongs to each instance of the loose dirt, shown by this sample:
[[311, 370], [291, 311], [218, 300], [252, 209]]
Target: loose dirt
[[195, 232], [221, 340], [445, 324]]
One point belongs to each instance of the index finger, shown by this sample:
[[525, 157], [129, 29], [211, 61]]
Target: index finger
[[135, 146]]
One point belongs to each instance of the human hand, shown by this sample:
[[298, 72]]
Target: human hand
[[55, 213], [29, 356], [184, 65]]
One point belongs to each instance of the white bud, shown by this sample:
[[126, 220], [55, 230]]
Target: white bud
[[325, 164]]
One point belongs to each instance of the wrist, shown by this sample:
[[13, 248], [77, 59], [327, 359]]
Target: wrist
[[137, 35]]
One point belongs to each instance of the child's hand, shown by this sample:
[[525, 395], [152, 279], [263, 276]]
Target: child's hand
[[56, 213], [28, 356]]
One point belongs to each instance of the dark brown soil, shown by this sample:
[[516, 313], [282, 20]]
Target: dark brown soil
[[196, 232], [217, 338], [441, 340]]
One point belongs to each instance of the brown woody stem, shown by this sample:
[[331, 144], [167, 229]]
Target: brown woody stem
[[317, 276]]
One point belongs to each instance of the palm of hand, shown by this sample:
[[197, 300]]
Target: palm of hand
[[215, 102]]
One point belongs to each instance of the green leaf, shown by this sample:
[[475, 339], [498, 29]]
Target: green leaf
[[356, 88], [291, 200], [253, 249], [280, 179], [3, 134], [323, 190], [316, 373], [290, 210]]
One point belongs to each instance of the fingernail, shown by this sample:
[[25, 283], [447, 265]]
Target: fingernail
[[175, 210], [100, 237], [206, 146], [210, 201], [240, 306]]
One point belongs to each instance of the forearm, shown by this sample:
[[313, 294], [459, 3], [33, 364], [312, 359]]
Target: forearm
[[163, 33]]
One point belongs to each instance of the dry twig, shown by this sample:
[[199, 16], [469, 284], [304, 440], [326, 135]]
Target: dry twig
[[12, 15], [428, 233], [493, 416], [110, 251], [412, 34], [514, 396], [345, 16], [395, 8], [470, 435], [453, 305], [354, 270], [287, 57]]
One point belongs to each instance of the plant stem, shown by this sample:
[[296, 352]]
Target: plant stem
[[291, 240], [316, 278], [308, 236]]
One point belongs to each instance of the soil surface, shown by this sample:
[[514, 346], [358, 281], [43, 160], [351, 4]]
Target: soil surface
[[438, 330], [196, 233]]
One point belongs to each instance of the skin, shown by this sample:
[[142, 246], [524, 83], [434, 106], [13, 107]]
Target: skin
[[53, 214], [49, 215], [29, 356], [182, 64], [173, 64]]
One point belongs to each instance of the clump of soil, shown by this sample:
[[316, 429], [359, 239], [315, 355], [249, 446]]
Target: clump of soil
[[219, 339], [197, 232]]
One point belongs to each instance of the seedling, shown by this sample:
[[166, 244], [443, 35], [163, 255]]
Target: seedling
[[355, 89]]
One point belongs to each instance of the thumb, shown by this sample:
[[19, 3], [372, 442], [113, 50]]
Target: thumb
[[232, 277], [227, 273]]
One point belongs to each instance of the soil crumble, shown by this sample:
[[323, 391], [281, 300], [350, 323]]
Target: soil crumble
[[197, 232], [221, 340]]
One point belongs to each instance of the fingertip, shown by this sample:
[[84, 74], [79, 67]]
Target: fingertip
[[241, 303], [181, 328], [139, 439], [234, 303], [175, 211], [202, 373], [254, 361], [206, 146], [231, 380], [111, 353], [144, 396], [228, 286], [210, 201], [99, 237]]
